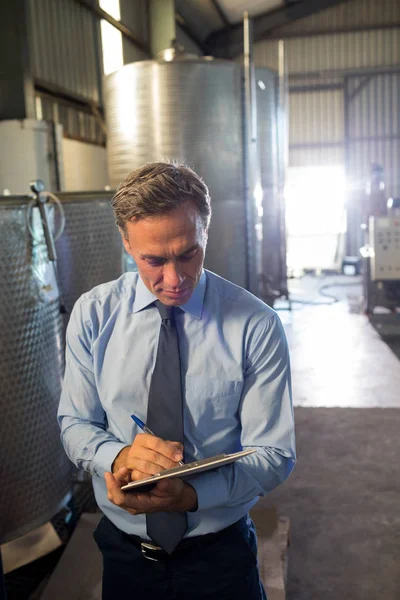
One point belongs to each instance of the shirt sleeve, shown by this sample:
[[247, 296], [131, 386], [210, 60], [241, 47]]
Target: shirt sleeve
[[80, 414], [267, 424]]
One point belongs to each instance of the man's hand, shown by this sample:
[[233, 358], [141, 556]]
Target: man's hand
[[171, 495], [148, 456]]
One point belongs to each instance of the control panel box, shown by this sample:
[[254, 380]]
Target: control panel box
[[384, 241]]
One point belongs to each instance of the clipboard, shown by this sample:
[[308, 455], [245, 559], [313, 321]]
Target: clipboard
[[186, 471]]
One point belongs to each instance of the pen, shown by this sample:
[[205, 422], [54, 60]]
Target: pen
[[144, 428]]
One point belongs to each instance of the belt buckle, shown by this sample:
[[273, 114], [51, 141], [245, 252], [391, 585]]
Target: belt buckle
[[147, 550]]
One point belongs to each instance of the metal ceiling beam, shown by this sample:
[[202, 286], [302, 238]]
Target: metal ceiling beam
[[190, 33], [275, 35], [64, 96], [365, 81], [352, 72], [316, 87], [221, 13], [228, 43]]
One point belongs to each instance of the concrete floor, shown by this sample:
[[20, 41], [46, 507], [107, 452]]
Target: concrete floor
[[343, 497], [343, 504], [338, 358]]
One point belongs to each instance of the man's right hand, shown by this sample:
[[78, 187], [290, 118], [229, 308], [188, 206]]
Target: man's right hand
[[147, 456]]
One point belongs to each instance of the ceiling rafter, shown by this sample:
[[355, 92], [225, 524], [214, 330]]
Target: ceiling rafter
[[228, 42], [190, 33], [221, 13]]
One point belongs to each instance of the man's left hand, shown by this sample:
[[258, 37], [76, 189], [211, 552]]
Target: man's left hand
[[172, 495]]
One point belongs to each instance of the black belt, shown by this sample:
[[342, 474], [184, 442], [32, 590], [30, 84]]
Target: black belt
[[153, 552]]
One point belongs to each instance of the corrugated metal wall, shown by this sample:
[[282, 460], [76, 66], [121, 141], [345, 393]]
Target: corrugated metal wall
[[334, 51], [67, 61], [65, 43], [374, 128], [78, 123], [316, 128], [322, 53], [64, 46]]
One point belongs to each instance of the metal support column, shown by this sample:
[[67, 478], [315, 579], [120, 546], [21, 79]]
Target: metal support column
[[253, 175], [350, 196], [162, 25], [17, 99], [354, 237], [283, 159]]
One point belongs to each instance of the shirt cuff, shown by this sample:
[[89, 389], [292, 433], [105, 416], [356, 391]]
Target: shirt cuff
[[212, 489], [105, 456]]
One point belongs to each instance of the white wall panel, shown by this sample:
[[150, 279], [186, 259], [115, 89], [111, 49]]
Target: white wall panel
[[29, 155], [85, 166]]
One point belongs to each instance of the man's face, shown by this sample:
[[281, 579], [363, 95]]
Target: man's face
[[169, 252]]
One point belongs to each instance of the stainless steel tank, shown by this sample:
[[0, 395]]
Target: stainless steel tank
[[34, 469], [273, 220], [189, 109], [89, 251]]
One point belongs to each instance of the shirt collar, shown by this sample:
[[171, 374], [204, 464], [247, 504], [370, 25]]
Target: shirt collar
[[194, 306]]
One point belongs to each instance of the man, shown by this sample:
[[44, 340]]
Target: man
[[205, 364]]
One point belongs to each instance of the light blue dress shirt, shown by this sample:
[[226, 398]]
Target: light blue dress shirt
[[236, 387]]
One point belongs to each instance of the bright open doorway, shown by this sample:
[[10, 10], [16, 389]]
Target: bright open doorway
[[315, 218]]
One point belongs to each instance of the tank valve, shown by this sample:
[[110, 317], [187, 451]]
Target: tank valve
[[37, 186]]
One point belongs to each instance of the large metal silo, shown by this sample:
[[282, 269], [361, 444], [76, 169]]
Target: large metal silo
[[89, 251], [34, 469], [190, 109]]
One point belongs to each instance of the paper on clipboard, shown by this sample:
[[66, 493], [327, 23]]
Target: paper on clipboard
[[186, 471]]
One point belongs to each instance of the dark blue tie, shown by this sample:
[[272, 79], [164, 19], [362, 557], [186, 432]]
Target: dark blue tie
[[165, 419]]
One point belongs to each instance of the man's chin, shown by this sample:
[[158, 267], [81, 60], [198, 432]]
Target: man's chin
[[175, 299]]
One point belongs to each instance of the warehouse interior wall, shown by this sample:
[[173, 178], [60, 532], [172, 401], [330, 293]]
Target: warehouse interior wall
[[320, 57], [72, 49], [30, 155], [343, 68], [67, 62], [343, 75]]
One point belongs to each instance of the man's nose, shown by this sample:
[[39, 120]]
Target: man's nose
[[172, 276]]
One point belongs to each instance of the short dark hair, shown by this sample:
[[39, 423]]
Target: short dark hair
[[158, 188]]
